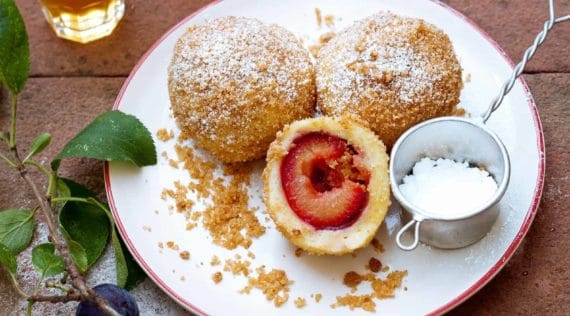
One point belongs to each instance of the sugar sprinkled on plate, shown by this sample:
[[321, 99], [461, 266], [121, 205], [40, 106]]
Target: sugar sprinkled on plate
[[447, 187]]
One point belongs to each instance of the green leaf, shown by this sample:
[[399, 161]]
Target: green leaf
[[129, 273], [76, 252], [16, 229], [38, 145], [46, 261], [14, 50], [113, 136], [8, 260], [85, 224], [136, 274], [62, 190], [120, 261]]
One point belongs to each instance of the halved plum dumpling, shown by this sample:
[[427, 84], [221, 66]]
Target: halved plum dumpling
[[326, 184]]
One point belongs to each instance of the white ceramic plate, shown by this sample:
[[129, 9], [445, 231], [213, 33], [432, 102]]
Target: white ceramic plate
[[438, 280]]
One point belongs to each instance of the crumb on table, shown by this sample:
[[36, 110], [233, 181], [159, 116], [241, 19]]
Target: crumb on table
[[228, 219], [300, 302], [381, 289], [378, 246], [374, 265], [273, 284], [319, 17], [366, 302], [172, 245], [318, 297], [215, 261], [237, 267], [217, 277], [329, 20], [164, 135], [352, 279], [185, 255]]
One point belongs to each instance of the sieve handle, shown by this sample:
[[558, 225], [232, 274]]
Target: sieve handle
[[517, 71], [416, 241]]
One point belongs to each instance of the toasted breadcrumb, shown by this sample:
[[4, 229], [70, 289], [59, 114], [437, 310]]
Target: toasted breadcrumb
[[217, 277], [386, 288], [234, 82], [381, 289], [179, 194], [365, 302], [352, 279], [390, 70], [237, 267], [374, 265], [173, 163], [185, 255], [164, 135], [459, 112], [229, 220], [326, 37], [300, 302], [323, 39], [298, 252], [318, 297], [172, 245], [273, 284], [329, 20], [319, 17], [378, 246], [215, 261]]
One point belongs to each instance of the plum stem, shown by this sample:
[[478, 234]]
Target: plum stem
[[77, 280], [55, 298]]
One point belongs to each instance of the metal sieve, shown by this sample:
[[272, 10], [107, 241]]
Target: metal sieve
[[461, 140]]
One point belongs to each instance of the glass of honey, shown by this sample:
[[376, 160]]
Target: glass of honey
[[83, 21]]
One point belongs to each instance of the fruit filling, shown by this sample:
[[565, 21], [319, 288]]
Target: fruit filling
[[325, 180]]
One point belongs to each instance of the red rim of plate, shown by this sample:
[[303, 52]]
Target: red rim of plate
[[446, 307]]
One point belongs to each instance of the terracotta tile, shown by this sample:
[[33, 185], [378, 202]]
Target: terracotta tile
[[62, 107], [144, 22], [535, 281], [515, 23]]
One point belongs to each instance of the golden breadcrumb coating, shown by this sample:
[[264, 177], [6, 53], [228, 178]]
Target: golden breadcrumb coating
[[234, 82], [392, 71]]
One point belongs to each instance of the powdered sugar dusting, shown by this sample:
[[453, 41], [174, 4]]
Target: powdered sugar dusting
[[230, 74], [386, 56], [390, 70]]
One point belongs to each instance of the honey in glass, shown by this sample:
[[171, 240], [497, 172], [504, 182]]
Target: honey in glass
[[83, 21]]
